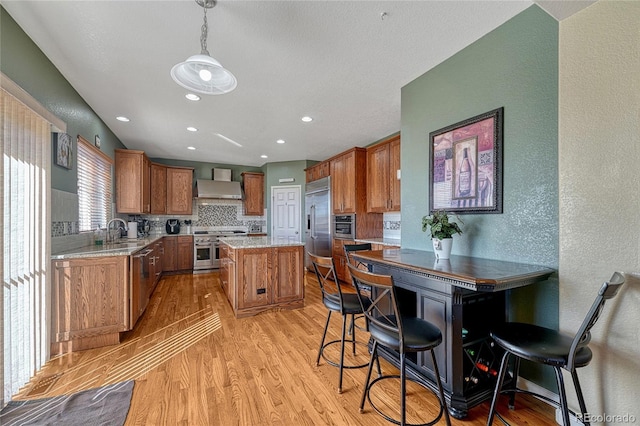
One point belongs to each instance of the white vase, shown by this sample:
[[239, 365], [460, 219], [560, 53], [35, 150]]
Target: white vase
[[442, 248]]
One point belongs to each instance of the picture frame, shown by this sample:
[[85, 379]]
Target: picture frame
[[63, 150], [465, 165], [97, 141]]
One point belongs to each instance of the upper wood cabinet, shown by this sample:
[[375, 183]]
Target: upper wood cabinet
[[348, 181], [383, 185], [158, 189], [132, 170], [171, 189], [179, 190], [253, 193], [318, 171]]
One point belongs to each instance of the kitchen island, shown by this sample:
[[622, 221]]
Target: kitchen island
[[465, 298], [261, 273]]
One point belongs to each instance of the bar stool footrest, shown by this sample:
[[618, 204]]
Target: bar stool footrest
[[336, 364], [408, 379]]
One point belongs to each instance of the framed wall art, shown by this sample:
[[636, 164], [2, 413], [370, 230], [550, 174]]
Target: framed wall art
[[62, 150], [465, 165]]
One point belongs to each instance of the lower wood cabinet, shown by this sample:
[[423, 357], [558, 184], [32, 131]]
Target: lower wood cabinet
[[340, 260], [90, 302], [258, 279], [178, 253]]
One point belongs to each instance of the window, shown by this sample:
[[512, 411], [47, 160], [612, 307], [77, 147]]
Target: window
[[94, 186], [25, 298]]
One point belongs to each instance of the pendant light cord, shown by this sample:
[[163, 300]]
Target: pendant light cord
[[205, 32]]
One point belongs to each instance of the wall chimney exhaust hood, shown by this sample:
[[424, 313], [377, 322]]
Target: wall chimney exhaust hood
[[218, 189]]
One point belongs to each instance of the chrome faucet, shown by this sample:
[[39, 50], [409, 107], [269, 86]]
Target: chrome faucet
[[111, 237]]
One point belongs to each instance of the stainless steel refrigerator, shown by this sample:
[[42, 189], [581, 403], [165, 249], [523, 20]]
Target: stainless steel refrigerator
[[317, 207]]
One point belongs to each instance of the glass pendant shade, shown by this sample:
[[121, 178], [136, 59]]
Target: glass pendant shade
[[203, 74]]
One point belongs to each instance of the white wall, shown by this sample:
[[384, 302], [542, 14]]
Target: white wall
[[599, 182]]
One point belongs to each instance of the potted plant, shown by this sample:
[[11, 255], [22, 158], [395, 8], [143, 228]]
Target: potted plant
[[442, 230]]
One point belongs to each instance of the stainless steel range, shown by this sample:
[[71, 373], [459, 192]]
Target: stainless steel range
[[206, 248]]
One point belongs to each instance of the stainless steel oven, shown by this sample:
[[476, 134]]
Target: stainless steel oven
[[206, 248], [205, 252], [344, 226]]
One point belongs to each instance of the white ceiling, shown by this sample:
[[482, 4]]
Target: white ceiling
[[337, 61]]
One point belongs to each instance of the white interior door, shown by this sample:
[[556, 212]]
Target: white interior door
[[285, 213]]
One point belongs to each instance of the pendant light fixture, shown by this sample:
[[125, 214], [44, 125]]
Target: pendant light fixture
[[202, 73]]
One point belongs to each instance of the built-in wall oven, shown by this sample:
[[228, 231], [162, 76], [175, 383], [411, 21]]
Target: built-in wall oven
[[344, 226]]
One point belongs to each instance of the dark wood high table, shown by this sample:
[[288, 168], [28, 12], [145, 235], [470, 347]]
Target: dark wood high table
[[465, 298]]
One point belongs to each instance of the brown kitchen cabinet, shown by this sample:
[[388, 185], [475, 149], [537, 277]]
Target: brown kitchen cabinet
[[348, 181], [158, 189], [170, 261], [179, 190], [155, 268], [90, 302], [171, 190], [227, 272], [178, 253], [259, 279], [383, 185], [253, 193], [132, 171], [184, 253], [318, 171], [339, 259]]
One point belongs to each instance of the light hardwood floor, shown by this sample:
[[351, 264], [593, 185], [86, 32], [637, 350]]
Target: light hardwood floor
[[195, 364]]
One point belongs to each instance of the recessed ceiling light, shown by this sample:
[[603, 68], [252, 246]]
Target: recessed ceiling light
[[192, 97], [307, 119], [192, 129], [192, 148], [122, 118], [280, 141], [264, 156]]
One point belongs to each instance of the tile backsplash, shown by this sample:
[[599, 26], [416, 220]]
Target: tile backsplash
[[218, 214], [391, 225], [65, 233]]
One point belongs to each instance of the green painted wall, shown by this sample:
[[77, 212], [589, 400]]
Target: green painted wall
[[286, 169], [24, 63], [515, 67]]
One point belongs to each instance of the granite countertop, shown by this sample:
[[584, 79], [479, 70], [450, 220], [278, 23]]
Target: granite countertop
[[124, 247], [257, 242], [383, 241]]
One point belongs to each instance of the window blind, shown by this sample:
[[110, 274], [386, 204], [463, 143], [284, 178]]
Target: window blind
[[94, 186], [25, 237]]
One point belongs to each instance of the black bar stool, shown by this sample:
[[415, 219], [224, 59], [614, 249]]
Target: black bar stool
[[403, 334], [335, 301], [550, 347], [348, 250]]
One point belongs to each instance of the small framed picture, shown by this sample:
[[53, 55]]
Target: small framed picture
[[62, 150], [97, 139]]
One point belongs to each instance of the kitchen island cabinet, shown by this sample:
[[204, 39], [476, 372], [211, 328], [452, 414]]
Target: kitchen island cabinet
[[464, 297], [259, 274]]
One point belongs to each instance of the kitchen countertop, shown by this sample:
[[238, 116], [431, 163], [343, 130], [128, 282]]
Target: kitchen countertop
[[257, 242], [383, 241], [124, 247]]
